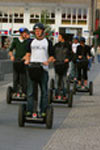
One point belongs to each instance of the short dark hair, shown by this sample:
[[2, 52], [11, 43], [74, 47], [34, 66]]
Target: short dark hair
[[63, 36]]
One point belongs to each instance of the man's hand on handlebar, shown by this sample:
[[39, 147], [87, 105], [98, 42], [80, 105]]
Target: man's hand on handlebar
[[12, 58], [80, 57], [50, 59], [26, 62], [66, 60], [46, 63], [88, 57]]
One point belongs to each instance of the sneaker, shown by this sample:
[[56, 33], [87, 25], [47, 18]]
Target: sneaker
[[64, 98], [23, 95], [34, 115], [75, 79], [14, 94], [18, 95], [59, 97], [55, 97], [78, 86], [43, 115], [28, 114], [86, 87], [83, 87]]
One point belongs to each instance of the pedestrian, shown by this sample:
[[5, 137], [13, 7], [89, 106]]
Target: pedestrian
[[98, 53], [73, 72], [93, 53]]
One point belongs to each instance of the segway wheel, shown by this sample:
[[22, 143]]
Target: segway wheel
[[21, 115], [74, 87], [91, 88], [50, 96], [49, 117], [52, 86], [9, 95], [70, 99]]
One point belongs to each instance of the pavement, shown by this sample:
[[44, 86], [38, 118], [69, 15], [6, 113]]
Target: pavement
[[76, 128]]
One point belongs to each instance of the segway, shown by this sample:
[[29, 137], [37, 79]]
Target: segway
[[82, 88], [17, 95], [35, 73], [59, 68]]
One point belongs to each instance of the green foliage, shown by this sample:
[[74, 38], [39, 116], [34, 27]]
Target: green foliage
[[44, 19]]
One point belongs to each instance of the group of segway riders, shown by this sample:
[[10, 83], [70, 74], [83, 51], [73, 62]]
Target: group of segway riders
[[31, 58]]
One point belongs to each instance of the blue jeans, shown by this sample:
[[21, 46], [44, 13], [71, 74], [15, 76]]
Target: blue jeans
[[44, 93], [90, 63], [60, 84], [73, 70]]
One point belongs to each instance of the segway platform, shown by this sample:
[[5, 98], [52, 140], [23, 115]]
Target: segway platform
[[12, 96], [83, 89], [48, 119], [35, 120]]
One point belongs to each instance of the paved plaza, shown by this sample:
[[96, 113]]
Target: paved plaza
[[76, 128]]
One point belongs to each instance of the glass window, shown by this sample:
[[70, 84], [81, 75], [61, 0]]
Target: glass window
[[18, 20], [5, 15], [10, 15], [15, 15], [63, 16], [69, 13], [84, 13], [21, 15], [32, 15], [52, 15], [74, 13], [0, 14], [36, 16], [79, 13]]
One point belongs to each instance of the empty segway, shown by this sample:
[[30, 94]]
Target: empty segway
[[35, 73], [60, 68], [17, 95]]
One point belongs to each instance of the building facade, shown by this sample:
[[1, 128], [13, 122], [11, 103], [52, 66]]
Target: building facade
[[71, 17]]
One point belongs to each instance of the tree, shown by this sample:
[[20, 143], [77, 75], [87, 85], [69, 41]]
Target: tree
[[44, 19]]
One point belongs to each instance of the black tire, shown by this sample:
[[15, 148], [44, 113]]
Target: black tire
[[70, 99], [91, 88], [74, 87], [52, 84], [21, 115], [50, 96], [49, 117], [9, 95]]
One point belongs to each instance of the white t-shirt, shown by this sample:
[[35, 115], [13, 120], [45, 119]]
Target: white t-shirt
[[74, 47], [39, 51]]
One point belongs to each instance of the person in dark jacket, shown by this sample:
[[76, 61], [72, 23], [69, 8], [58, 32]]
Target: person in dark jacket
[[83, 55], [62, 56], [19, 46]]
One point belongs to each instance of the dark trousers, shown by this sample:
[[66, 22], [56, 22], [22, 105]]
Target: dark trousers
[[61, 82], [19, 79], [32, 89], [82, 68]]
